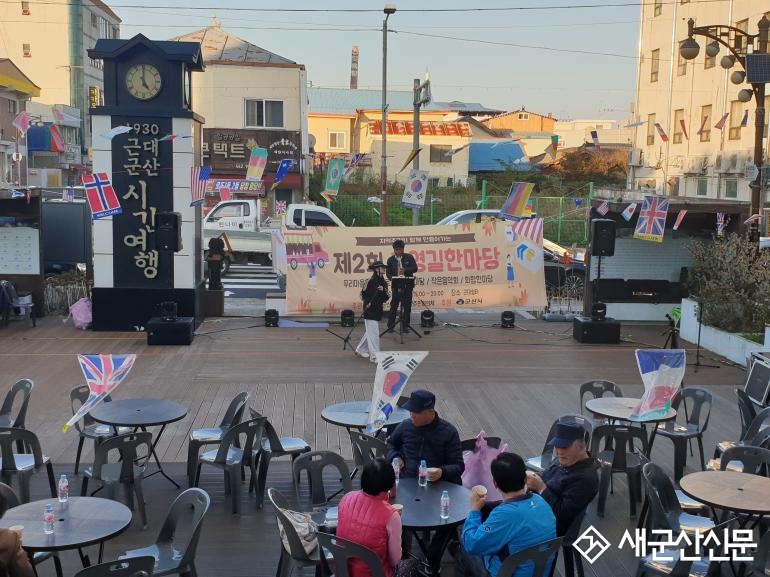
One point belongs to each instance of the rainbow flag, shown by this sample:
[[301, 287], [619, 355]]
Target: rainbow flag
[[257, 163], [516, 204]]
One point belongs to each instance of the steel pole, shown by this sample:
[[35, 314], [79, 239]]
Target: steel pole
[[759, 134], [384, 159], [416, 141]]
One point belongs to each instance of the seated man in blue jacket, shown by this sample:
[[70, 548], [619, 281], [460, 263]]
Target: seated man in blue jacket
[[427, 436], [522, 520]]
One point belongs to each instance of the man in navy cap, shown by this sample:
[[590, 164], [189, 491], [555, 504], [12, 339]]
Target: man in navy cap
[[570, 484]]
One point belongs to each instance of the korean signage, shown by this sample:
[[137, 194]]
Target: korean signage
[[143, 180], [235, 186], [468, 266], [228, 150]]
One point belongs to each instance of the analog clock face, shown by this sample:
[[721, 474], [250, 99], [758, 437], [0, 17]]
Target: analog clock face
[[143, 81]]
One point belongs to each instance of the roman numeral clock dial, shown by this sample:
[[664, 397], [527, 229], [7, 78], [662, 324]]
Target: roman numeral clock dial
[[143, 81]]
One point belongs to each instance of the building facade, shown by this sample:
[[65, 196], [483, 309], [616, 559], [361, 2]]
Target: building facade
[[15, 91], [693, 136]]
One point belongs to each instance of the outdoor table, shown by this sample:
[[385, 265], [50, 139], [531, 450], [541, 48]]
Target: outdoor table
[[353, 415], [79, 522], [731, 491], [140, 414], [620, 409]]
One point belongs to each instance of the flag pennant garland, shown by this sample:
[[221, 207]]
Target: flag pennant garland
[[199, 176], [721, 124], [679, 218], [358, 157], [516, 203], [752, 218], [684, 128], [109, 135], [629, 211], [635, 124], [16, 193], [334, 174], [456, 150], [101, 196], [652, 219], [551, 151], [745, 119], [22, 121], [703, 124], [283, 169], [257, 164], [390, 379], [167, 137], [410, 158], [721, 224], [603, 208], [57, 141], [661, 132], [531, 228], [595, 138], [63, 118]]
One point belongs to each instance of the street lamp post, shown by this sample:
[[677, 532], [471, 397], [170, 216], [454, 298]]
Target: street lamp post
[[388, 10], [738, 41]]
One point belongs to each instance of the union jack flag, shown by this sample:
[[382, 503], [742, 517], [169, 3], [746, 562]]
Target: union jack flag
[[101, 196], [652, 219], [603, 208], [199, 176], [720, 224], [532, 228]]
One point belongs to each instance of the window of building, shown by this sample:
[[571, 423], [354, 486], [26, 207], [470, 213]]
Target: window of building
[[703, 187], [25, 9], [681, 66], [651, 129], [433, 182], [11, 106], [657, 9], [523, 116], [654, 65], [709, 62], [337, 140], [115, 32], [27, 49], [705, 123], [678, 133], [97, 63], [438, 153], [739, 40], [450, 182], [684, 1], [736, 116], [264, 113], [731, 188]]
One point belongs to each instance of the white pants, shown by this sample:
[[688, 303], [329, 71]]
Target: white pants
[[370, 341]]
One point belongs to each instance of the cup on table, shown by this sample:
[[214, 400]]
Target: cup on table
[[17, 529], [399, 508], [432, 472], [479, 490]]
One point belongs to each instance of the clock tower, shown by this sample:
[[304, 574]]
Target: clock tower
[[149, 255]]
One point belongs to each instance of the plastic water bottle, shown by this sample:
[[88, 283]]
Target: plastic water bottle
[[64, 489], [444, 511], [422, 474], [396, 468], [48, 519]]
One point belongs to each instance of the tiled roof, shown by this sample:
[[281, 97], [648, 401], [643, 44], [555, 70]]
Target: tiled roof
[[106, 9], [426, 128], [218, 45]]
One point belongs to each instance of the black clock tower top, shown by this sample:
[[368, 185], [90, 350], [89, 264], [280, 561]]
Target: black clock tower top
[[142, 74]]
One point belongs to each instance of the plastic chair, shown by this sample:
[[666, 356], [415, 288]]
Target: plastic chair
[[133, 567], [665, 511], [236, 450], [761, 563], [24, 305], [541, 462], [7, 419], [620, 455], [122, 472], [539, 555], [344, 554], [698, 414], [178, 557], [366, 448], [597, 389], [314, 463], [23, 465], [746, 459], [272, 446], [90, 429], [295, 555], [747, 412], [213, 436]]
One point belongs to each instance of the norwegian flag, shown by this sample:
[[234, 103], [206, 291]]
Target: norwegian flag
[[101, 196], [531, 228], [199, 176], [603, 208], [652, 219]]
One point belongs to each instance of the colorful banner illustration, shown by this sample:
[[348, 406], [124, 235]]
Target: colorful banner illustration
[[103, 374], [516, 203], [415, 189], [199, 176], [358, 157], [231, 185], [283, 170], [410, 158], [393, 372], [101, 196], [680, 218], [334, 174], [662, 371], [629, 211], [461, 266], [257, 164], [652, 219]]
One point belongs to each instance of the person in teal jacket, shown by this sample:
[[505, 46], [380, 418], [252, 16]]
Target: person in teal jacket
[[522, 520]]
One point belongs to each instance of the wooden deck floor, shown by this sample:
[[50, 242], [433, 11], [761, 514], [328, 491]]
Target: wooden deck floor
[[510, 383]]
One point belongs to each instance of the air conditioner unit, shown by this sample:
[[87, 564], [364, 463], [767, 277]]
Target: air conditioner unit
[[636, 157]]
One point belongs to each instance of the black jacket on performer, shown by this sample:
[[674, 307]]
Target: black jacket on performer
[[401, 296], [407, 263], [374, 298]]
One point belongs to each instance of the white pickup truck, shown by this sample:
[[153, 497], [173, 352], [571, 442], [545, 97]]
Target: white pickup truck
[[249, 236]]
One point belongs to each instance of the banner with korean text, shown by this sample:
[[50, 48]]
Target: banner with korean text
[[488, 264]]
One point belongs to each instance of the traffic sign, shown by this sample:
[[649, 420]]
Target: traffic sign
[[750, 172], [17, 156]]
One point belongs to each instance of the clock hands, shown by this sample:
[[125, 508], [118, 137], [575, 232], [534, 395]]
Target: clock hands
[[144, 79]]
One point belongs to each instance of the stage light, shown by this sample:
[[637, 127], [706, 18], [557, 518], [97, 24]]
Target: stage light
[[599, 312], [507, 320], [347, 318], [427, 319], [271, 318]]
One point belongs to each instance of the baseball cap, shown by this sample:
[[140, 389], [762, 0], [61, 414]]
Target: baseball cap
[[420, 401], [566, 434], [377, 264]]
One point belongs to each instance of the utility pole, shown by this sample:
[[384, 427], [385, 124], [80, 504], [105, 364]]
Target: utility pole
[[421, 97], [388, 10]]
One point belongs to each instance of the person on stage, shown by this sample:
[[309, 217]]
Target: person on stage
[[374, 296], [401, 264]]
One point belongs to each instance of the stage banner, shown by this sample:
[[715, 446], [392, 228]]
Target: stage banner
[[475, 265]]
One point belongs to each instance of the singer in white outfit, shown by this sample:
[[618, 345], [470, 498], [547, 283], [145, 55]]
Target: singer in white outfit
[[374, 296]]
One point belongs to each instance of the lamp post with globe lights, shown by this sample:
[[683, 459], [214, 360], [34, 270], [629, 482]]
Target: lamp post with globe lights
[[740, 44]]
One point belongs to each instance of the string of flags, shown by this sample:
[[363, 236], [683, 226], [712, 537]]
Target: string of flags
[[283, 169], [199, 176], [410, 158], [603, 208], [745, 119], [679, 218], [684, 128], [661, 132], [101, 196], [629, 211], [721, 124]]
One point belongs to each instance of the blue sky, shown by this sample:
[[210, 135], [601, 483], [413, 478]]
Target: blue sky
[[541, 54]]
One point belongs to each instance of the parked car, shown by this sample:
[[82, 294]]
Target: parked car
[[564, 272]]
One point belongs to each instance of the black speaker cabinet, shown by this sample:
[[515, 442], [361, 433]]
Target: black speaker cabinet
[[587, 330], [168, 231], [176, 332], [602, 237]]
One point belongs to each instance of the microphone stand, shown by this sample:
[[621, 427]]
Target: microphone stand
[[697, 362]]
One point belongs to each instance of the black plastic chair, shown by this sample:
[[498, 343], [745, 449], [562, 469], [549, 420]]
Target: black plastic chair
[[747, 413], [90, 429], [236, 451], [123, 470], [178, 556], [746, 459], [665, 510], [366, 448], [314, 463], [133, 567], [22, 465], [598, 389], [342, 552], [761, 563], [539, 463], [213, 435], [698, 402], [620, 454], [12, 302], [7, 418], [293, 553], [539, 556]]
